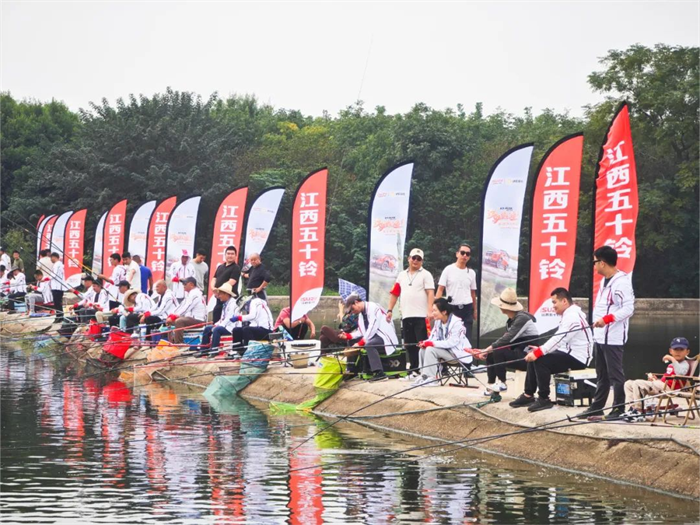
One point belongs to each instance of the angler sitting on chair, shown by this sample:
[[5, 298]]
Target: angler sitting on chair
[[41, 293], [257, 323], [224, 326], [377, 334], [447, 341], [570, 348]]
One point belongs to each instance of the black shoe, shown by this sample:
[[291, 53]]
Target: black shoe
[[615, 413], [589, 413], [540, 404], [522, 401], [379, 376]]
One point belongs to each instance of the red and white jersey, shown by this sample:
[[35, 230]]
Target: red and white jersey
[[163, 306], [615, 298], [259, 314], [193, 306], [181, 272], [18, 284]]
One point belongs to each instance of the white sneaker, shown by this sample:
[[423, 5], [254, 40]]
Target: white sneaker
[[419, 380], [499, 386], [429, 382]]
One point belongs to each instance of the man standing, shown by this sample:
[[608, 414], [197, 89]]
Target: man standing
[[570, 348], [45, 264], [416, 288], [112, 283], [230, 273], [613, 307], [146, 275], [17, 262], [179, 271], [133, 272], [5, 260], [191, 311], [257, 277], [459, 282], [58, 285], [200, 268]]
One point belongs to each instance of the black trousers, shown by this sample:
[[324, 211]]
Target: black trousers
[[413, 331], [608, 369], [15, 298], [218, 310], [466, 314], [247, 334], [58, 303], [152, 323], [132, 321], [502, 355], [539, 371], [299, 331]]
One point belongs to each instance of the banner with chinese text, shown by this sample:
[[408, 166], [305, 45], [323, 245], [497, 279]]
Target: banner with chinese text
[[115, 230], [40, 233], [308, 243], [138, 230], [502, 214], [553, 227], [47, 233], [157, 230], [388, 221], [97, 258], [616, 199], [74, 241], [261, 217], [228, 225], [182, 227]]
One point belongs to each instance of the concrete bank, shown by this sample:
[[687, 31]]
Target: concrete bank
[[662, 458], [328, 306]]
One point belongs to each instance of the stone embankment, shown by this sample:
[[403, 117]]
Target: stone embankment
[[660, 457]]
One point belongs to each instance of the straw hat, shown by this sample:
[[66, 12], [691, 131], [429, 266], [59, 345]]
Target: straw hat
[[226, 288], [508, 300], [128, 297]]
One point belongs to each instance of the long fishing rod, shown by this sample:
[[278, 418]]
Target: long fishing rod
[[472, 442]]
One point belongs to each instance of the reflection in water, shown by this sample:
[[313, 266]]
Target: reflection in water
[[94, 450]]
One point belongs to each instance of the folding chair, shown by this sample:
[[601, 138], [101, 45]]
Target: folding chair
[[686, 387], [455, 369]]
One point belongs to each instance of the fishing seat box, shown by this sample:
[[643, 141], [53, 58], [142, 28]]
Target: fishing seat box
[[394, 365], [575, 385]]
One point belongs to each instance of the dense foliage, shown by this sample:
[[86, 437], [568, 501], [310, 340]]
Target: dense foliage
[[176, 143]]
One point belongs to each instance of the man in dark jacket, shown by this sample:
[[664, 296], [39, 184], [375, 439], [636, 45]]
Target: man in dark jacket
[[257, 277]]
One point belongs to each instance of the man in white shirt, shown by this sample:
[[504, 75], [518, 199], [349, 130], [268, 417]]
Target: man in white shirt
[[133, 271], [112, 282], [5, 260], [259, 323], [41, 292], [612, 310], [58, 285], [570, 348], [178, 272], [200, 268], [18, 288], [45, 264], [191, 311], [86, 298], [164, 305], [211, 336], [416, 289], [459, 283]]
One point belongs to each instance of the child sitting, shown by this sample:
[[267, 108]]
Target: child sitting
[[637, 389]]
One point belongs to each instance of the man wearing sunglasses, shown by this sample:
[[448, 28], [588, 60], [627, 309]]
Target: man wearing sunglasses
[[459, 282], [416, 288]]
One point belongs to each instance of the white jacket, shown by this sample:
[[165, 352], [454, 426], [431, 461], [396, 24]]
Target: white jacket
[[230, 310], [163, 308], [181, 272], [102, 300], [86, 298], [259, 314], [143, 304], [58, 277], [573, 336], [18, 284], [616, 299], [452, 336], [43, 287], [375, 317], [192, 306], [118, 274]]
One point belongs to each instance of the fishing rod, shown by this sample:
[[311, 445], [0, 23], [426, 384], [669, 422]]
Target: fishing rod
[[566, 422]]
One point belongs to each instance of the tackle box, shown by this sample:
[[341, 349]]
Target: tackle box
[[575, 385]]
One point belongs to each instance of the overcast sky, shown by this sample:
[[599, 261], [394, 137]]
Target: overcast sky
[[323, 56]]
